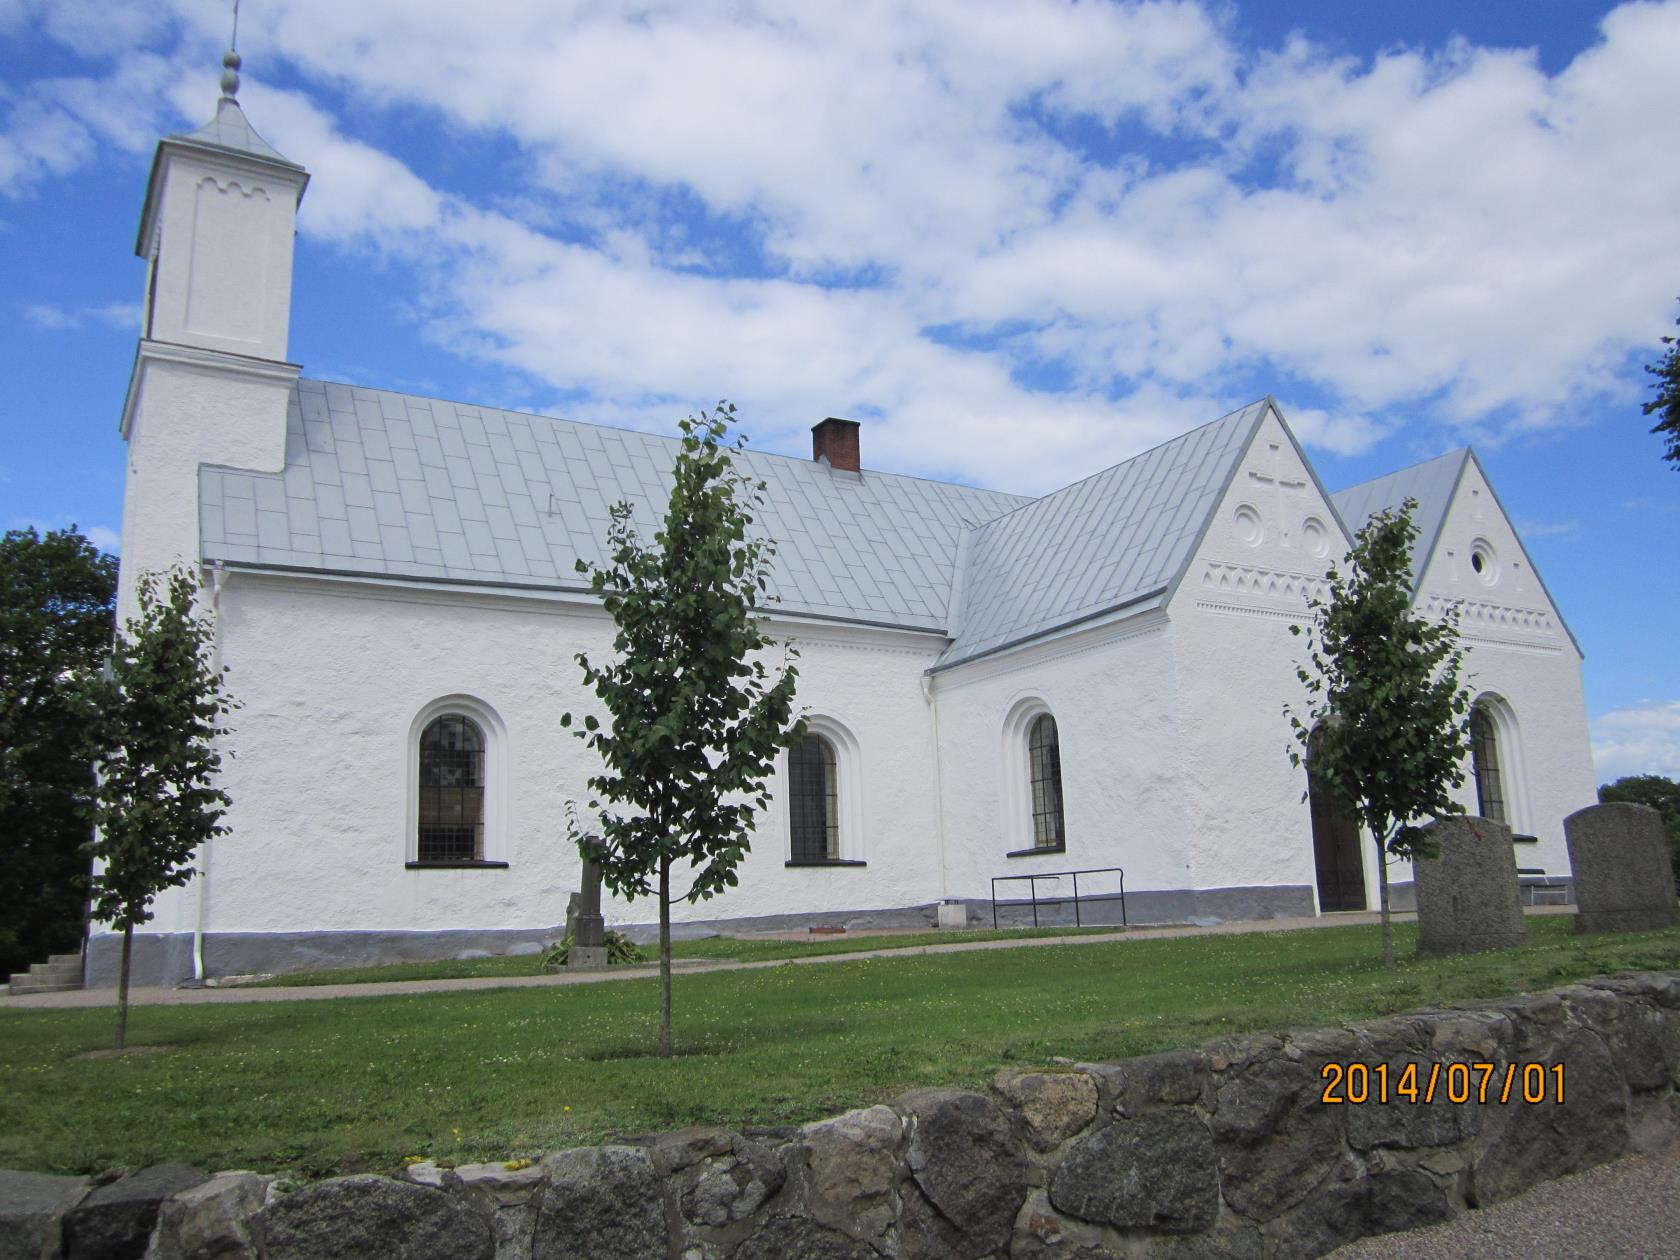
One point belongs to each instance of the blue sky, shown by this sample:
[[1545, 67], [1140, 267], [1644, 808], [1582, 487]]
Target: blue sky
[[1019, 241]]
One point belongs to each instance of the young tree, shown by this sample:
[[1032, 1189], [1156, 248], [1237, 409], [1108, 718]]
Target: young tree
[[158, 799], [1386, 727], [1667, 402], [694, 719], [57, 614]]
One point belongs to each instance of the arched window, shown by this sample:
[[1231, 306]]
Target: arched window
[[814, 800], [451, 806], [1484, 763], [1044, 771]]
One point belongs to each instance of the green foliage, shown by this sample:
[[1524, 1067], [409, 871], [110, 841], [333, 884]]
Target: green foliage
[[157, 796], [1662, 795], [1666, 404], [621, 951], [157, 799], [1386, 725], [695, 720], [57, 615]]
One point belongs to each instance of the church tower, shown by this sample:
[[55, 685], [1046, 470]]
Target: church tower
[[211, 380], [216, 234]]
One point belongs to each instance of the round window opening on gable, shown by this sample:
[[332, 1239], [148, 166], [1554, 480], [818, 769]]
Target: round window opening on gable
[[1482, 561]]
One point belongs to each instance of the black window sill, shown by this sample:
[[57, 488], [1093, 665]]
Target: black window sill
[[1525, 839], [463, 865], [825, 862], [1034, 852]]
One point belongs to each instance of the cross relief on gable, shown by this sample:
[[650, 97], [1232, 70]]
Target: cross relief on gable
[[1280, 491]]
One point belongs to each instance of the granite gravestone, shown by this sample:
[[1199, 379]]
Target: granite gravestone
[[589, 946], [1623, 879], [1467, 895]]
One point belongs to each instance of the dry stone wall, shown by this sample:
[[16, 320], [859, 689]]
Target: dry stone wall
[[1224, 1151]]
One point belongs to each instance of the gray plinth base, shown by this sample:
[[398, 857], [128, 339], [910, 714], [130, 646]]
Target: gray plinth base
[[586, 958], [1625, 920]]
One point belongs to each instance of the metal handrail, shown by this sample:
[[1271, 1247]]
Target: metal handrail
[[1032, 891]]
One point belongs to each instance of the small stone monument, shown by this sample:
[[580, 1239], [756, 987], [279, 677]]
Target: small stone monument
[[589, 948], [1623, 880], [1467, 897]]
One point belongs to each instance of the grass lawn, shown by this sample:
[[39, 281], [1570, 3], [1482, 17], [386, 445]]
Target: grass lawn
[[315, 1088], [712, 948]]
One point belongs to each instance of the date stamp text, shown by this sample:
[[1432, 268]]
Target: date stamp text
[[1359, 1083]]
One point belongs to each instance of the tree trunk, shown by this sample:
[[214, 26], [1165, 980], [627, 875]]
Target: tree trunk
[[1382, 901], [665, 960], [122, 987]]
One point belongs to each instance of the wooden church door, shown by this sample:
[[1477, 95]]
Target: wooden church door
[[1341, 873]]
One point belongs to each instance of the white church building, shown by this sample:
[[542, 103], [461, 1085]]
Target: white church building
[[996, 685]]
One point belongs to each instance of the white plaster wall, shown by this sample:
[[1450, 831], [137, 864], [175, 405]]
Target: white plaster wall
[[1267, 547], [222, 254], [1520, 651], [190, 407], [331, 676], [1111, 690]]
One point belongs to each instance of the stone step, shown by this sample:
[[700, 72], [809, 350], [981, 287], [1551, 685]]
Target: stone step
[[44, 985], [57, 973], [61, 973]]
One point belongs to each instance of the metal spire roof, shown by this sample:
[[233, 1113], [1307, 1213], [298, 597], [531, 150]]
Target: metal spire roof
[[230, 130]]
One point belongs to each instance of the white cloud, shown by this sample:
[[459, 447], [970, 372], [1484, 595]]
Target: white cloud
[[1448, 238], [1343, 434], [1548, 529], [124, 316], [102, 537], [1639, 739]]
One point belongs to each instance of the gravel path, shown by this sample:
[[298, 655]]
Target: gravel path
[[1629, 1210], [200, 996], [304, 993]]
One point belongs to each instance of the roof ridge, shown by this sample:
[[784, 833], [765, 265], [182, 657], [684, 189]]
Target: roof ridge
[[1459, 451], [662, 437], [1130, 459]]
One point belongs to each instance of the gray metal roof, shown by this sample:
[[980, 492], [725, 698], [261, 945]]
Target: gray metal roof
[[390, 485], [1432, 483], [231, 130], [1118, 539]]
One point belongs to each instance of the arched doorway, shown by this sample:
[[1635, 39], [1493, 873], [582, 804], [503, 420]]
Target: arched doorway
[[1336, 850]]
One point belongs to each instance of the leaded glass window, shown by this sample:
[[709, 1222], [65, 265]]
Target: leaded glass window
[[813, 783], [451, 790], [1484, 761], [1044, 760]]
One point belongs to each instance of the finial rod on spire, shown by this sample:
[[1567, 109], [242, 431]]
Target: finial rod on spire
[[230, 60]]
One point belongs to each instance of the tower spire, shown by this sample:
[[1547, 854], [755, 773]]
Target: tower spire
[[231, 62]]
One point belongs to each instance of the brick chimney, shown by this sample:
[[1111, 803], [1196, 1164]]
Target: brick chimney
[[835, 442]]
